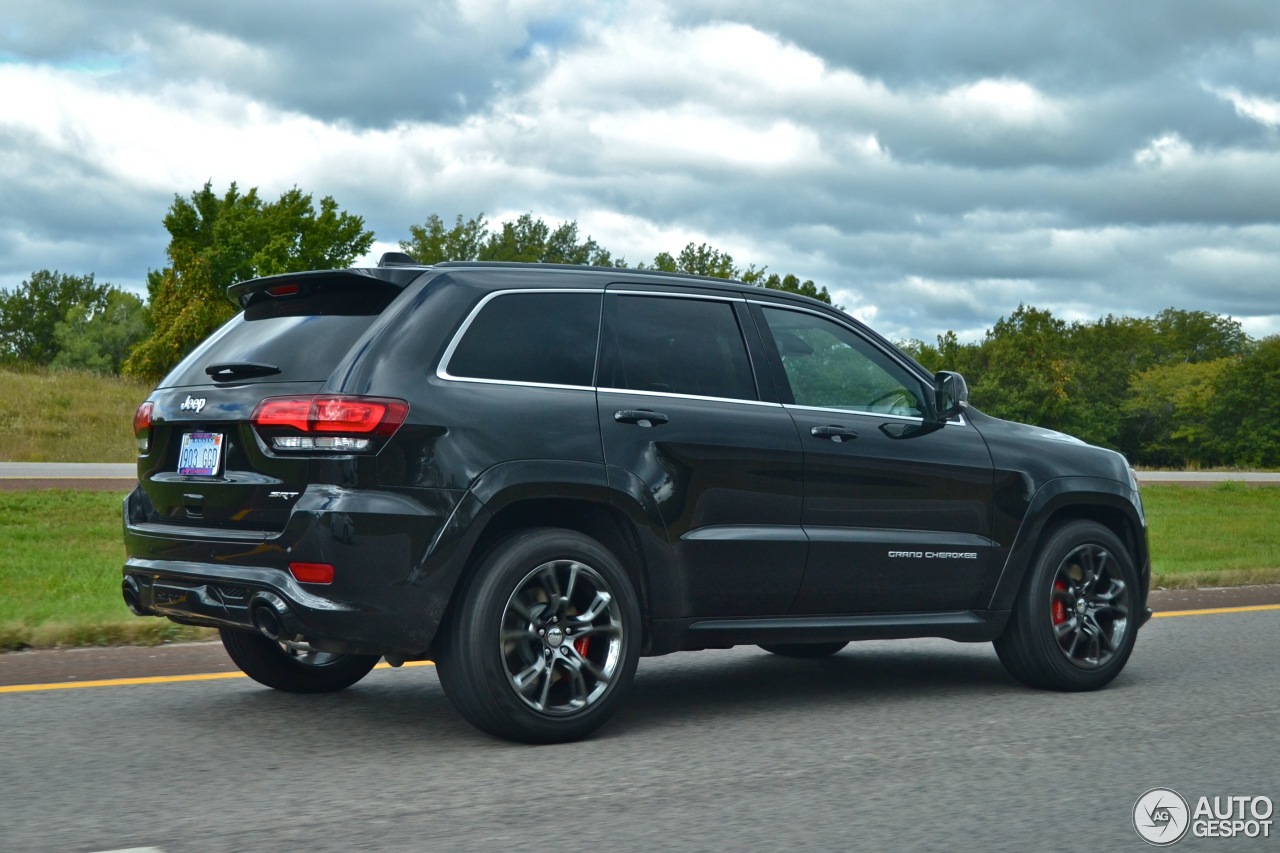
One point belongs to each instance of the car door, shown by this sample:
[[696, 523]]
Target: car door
[[682, 422], [897, 508]]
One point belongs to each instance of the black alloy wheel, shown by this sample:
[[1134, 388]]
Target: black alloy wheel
[[1075, 621], [545, 640]]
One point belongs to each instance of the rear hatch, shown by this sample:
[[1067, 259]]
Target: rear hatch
[[205, 464]]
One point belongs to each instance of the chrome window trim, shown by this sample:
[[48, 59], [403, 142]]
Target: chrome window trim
[[673, 395], [442, 371], [958, 420], [515, 383]]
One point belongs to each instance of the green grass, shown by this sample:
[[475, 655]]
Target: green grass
[[60, 564], [1221, 535], [60, 573], [66, 416]]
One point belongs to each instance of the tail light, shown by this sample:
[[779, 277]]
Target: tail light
[[142, 427], [332, 423]]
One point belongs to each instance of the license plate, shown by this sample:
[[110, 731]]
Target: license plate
[[200, 454]]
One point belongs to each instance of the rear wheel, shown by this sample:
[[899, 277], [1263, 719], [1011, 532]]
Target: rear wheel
[[803, 650], [294, 668], [544, 640], [1075, 621]]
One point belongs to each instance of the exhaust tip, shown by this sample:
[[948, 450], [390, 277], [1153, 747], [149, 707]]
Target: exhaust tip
[[271, 616], [133, 597]]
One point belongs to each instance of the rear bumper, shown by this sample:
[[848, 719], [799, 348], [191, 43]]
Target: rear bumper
[[392, 570]]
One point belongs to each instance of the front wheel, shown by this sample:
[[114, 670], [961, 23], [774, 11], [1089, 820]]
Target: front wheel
[[544, 639], [291, 667], [1075, 620]]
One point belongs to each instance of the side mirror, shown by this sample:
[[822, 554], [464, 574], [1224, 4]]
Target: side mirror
[[951, 394]]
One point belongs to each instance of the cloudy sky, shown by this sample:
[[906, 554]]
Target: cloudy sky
[[933, 163]]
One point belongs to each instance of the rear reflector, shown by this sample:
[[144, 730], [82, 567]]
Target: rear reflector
[[311, 572]]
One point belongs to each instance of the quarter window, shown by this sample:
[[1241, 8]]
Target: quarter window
[[546, 338], [677, 346], [829, 366]]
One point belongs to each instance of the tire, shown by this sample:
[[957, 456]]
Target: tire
[[803, 650], [1075, 621], [544, 638], [294, 671]]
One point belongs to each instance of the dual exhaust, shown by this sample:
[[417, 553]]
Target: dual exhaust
[[267, 611]]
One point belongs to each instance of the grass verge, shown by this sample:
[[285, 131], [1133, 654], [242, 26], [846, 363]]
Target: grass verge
[[60, 567], [1222, 535], [60, 574], [67, 416]]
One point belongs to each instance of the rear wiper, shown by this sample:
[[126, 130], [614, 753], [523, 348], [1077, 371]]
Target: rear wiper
[[240, 370]]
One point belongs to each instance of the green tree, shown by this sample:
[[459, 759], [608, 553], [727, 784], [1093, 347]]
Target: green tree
[[216, 241], [1170, 411], [1246, 408], [1197, 336], [431, 243], [1024, 369], [100, 341], [529, 240], [525, 239], [29, 315], [1104, 355]]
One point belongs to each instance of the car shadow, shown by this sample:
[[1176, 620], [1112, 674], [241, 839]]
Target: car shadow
[[409, 707]]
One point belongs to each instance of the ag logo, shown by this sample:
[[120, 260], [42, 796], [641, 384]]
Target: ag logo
[[192, 404], [1161, 816]]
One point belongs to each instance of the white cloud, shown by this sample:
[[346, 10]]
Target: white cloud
[[932, 170], [1167, 151], [1265, 111]]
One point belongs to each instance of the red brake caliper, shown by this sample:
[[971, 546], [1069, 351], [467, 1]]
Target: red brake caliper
[[580, 645], [1059, 607]]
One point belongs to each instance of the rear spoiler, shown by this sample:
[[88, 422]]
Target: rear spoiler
[[377, 281]]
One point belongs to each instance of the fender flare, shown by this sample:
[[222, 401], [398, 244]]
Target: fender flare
[[1054, 496], [509, 483]]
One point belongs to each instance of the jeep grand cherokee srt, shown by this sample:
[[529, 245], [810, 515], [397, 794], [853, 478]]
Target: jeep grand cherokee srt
[[535, 474]]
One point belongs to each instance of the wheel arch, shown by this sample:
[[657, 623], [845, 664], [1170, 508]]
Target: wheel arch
[[574, 496], [1065, 499]]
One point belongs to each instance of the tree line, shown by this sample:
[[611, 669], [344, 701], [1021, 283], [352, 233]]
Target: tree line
[[1183, 388]]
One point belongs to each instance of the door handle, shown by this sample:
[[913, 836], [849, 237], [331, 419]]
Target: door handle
[[835, 433], [640, 417]]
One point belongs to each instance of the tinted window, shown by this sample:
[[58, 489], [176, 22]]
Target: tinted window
[[304, 336], [678, 346], [832, 367], [548, 338]]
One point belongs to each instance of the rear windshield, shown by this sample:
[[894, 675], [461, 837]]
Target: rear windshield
[[304, 338]]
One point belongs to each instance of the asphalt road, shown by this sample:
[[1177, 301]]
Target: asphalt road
[[912, 745]]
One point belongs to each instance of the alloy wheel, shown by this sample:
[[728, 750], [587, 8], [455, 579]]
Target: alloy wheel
[[1089, 606], [561, 638]]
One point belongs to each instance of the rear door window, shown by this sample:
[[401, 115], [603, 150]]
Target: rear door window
[[546, 338], [674, 345]]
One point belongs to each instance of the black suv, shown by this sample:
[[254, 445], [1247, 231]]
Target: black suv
[[535, 474]]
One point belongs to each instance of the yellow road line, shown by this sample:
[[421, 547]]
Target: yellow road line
[[156, 679], [1211, 610], [212, 676]]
